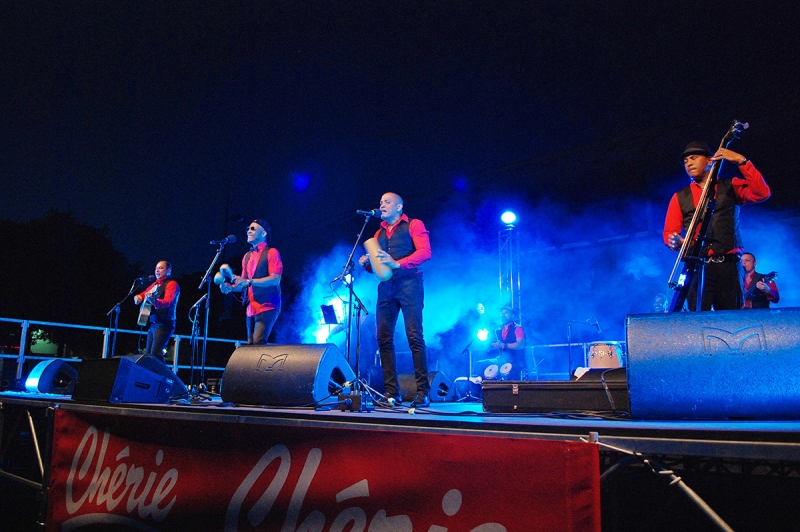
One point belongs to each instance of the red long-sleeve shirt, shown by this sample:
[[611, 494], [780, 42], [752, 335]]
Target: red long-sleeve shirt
[[419, 235], [751, 189]]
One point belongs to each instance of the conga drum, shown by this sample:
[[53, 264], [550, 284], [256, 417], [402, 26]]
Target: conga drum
[[383, 271], [605, 355]]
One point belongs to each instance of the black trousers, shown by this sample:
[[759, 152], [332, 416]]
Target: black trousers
[[402, 293], [722, 290], [158, 337]]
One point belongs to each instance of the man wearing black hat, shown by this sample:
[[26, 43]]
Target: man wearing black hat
[[722, 288], [260, 281]]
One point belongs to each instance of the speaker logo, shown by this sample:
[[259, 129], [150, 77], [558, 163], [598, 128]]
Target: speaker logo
[[745, 340], [271, 363]]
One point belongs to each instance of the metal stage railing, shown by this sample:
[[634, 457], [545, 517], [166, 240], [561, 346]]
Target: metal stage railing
[[23, 352]]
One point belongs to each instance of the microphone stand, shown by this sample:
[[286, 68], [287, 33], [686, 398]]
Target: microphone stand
[[468, 397], [569, 341], [349, 266], [207, 281], [115, 311]]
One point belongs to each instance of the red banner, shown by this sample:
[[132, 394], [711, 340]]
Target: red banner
[[136, 473]]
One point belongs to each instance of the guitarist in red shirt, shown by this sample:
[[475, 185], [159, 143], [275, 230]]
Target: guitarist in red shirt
[[160, 299], [760, 290]]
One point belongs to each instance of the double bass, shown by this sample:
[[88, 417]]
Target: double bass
[[691, 257]]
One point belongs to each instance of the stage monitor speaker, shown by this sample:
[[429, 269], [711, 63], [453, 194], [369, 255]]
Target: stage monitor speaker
[[736, 364], [55, 376], [441, 386], [156, 366], [285, 375], [120, 380]]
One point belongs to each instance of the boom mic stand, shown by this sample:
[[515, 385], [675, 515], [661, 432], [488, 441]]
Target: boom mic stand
[[569, 341], [207, 281], [358, 389], [468, 397], [115, 311]]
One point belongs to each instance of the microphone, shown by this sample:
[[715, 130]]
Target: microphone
[[150, 278], [373, 212], [230, 239], [200, 301], [597, 326]]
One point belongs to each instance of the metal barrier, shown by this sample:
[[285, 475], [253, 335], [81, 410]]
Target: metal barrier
[[26, 325]]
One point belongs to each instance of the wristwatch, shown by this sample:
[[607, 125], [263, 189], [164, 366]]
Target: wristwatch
[[746, 160]]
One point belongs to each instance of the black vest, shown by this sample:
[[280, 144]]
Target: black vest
[[265, 293], [401, 245], [723, 234], [511, 334], [167, 313]]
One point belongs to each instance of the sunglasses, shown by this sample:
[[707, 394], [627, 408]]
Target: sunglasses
[[251, 228]]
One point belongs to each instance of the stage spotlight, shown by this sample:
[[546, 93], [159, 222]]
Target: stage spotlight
[[482, 334], [508, 218]]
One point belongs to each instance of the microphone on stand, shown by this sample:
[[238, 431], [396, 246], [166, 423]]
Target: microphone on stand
[[149, 278], [597, 326], [230, 239], [373, 212], [199, 301]]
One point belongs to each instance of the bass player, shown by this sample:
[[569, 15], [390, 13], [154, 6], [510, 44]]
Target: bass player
[[723, 270]]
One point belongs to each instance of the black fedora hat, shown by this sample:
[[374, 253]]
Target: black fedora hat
[[696, 148]]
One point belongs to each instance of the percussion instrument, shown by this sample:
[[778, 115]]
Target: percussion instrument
[[605, 355], [225, 274], [383, 271]]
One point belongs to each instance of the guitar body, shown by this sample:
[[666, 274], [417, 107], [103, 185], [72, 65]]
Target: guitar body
[[766, 279], [147, 308]]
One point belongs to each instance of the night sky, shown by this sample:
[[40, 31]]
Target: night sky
[[167, 121]]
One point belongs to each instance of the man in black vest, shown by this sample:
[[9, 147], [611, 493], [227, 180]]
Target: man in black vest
[[162, 298], [507, 357], [260, 281], [405, 245], [761, 293], [723, 270]]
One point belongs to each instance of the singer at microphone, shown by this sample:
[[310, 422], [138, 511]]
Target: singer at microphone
[[158, 304], [230, 239]]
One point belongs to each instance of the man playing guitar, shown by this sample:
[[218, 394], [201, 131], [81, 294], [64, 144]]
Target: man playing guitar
[[760, 290], [163, 296]]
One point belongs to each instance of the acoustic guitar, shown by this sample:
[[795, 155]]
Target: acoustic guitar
[[147, 307]]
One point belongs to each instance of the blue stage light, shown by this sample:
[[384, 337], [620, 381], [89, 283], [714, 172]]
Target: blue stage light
[[508, 218], [301, 181]]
